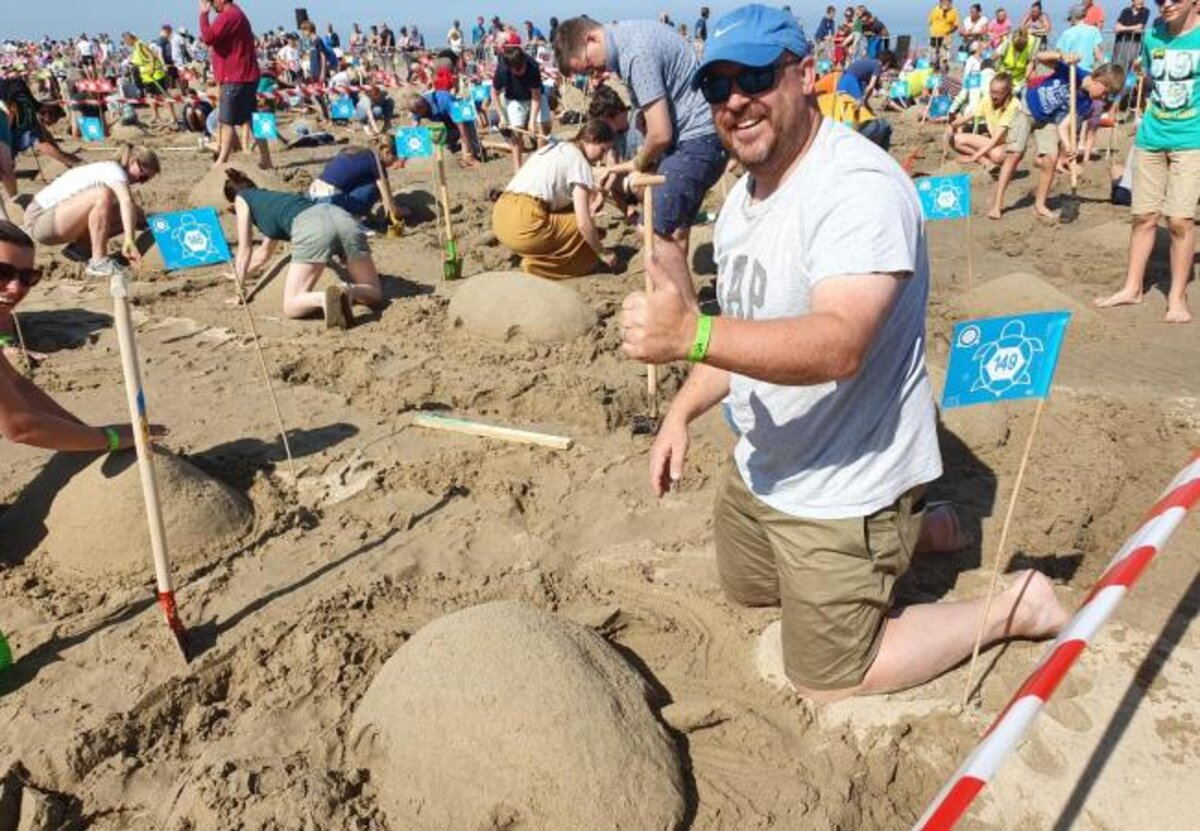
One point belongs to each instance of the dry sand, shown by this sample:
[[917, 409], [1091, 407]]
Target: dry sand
[[391, 527]]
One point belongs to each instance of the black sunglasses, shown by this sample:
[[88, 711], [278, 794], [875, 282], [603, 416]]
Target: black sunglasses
[[28, 277], [753, 80]]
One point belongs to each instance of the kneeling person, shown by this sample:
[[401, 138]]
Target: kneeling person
[[544, 214], [318, 233]]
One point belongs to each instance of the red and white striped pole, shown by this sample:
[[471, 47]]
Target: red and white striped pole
[[1009, 727]]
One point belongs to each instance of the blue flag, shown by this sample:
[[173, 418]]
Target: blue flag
[[414, 143], [91, 128], [973, 80], [934, 82], [189, 239], [1003, 358], [962, 57], [462, 112], [342, 109], [824, 66], [480, 94], [898, 90], [939, 106], [945, 197], [922, 63], [264, 127]]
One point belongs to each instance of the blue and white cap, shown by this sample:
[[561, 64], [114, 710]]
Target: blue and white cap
[[753, 35]]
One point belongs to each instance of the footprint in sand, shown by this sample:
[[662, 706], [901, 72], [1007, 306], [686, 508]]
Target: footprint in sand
[[1041, 757]]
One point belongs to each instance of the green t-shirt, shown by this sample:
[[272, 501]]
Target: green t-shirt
[[1172, 120], [273, 212]]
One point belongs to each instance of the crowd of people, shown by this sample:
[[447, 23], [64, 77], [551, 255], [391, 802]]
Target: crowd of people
[[818, 353]]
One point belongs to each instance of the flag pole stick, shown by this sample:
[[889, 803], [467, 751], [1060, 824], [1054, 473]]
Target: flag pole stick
[[119, 287], [970, 252], [1012, 504]]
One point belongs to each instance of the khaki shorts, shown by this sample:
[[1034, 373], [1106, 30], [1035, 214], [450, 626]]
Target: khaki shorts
[[834, 578], [1023, 126], [39, 224], [1166, 182], [324, 231]]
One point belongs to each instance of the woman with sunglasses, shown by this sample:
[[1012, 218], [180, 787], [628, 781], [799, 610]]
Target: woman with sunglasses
[[84, 204], [28, 415]]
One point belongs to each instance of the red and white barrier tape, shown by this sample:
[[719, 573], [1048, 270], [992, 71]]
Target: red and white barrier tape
[[1009, 727]]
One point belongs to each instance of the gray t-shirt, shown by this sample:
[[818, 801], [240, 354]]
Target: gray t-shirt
[[847, 448], [655, 62]]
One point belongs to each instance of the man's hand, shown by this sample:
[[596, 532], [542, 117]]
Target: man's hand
[[125, 431], [205, 6], [667, 455], [658, 327], [130, 250], [1070, 58]]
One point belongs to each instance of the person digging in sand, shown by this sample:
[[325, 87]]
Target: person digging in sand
[[819, 352], [1166, 178], [318, 233], [83, 205], [544, 213], [28, 415], [1043, 111]]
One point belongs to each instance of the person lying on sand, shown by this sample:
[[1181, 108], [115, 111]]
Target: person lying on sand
[[819, 352], [28, 415], [544, 213], [318, 233], [1043, 112], [83, 205]]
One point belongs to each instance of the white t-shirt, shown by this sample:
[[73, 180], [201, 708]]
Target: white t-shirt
[[847, 448], [975, 27], [78, 179], [85, 48], [551, 175]]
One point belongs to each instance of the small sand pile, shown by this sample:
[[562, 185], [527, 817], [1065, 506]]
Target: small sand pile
[[134, 133], [97, 523], [503, 715], [503, 305], [210, 190]]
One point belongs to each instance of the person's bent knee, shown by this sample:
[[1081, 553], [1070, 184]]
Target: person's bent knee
[[747, 592], [104, 198]]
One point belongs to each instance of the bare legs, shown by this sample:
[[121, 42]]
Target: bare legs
[[1007, 168], [228, 142], [299, 299], [89, 215], [1045, 164], [1141, 246], [923, 641]]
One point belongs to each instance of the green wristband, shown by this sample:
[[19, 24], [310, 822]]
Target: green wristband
[[703, 335], [114, 439], [6, 340]]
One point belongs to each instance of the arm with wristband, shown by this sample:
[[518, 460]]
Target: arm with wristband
[[29, 416]]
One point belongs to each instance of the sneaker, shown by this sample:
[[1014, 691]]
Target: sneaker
[[338, 314], [101, 267]]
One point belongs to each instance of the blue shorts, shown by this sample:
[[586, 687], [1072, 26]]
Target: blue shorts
[[691, 169], [17, 142]]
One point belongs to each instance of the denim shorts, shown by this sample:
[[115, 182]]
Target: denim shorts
[[691, 169], [238, 102]]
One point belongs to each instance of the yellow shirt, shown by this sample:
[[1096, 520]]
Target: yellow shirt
[[943, 22], [842, 107], [997, 120], [149, 65]]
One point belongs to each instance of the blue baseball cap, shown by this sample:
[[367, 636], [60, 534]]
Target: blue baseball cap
[[753, 35]]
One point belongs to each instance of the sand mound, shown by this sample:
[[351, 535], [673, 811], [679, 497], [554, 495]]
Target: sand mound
[[209, 191], [502, 715], [502, 305], [97, 523], [1018, 293], [128, 132]]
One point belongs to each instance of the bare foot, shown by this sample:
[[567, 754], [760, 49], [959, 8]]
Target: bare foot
[[1046, 215], [941, 530], [1177, 312], [1125, 297], [994, 213], [1035, 611]]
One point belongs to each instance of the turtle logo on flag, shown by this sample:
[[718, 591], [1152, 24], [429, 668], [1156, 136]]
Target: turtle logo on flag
[[945, 197], [462, 112], [264, 126], [189, 239], [91, 128], [414, 143], [1001, 358], [342, 109]]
